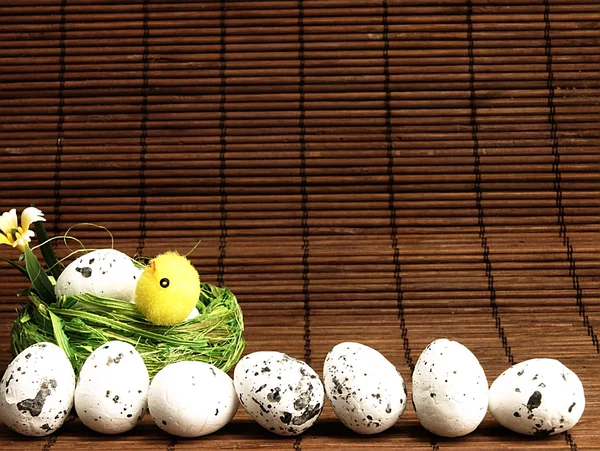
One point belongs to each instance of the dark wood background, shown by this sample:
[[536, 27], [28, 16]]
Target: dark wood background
[[388, 172]]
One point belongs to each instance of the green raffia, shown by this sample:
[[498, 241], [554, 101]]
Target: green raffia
[[80, 324]]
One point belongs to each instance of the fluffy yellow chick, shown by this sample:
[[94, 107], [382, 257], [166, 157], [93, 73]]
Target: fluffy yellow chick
[[168, 289]]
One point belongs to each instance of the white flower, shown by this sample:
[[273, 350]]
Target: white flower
[[15, 235]]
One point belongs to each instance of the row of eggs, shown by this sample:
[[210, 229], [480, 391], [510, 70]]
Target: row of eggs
[[450, 392]]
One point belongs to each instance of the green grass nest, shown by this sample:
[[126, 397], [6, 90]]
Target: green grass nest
[[80, 324]]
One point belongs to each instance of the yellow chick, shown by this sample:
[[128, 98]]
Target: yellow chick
[[168, 289]]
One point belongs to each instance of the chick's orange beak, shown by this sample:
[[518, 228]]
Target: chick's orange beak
[[152, 266]]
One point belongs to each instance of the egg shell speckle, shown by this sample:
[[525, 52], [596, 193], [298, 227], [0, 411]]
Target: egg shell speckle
[[537, 397], [284, 395], [450, 389], [192, 399], [104, 272], [365, 389], [112, 390], [36, 391]]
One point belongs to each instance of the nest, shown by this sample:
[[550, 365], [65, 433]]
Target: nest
[[80, 324]]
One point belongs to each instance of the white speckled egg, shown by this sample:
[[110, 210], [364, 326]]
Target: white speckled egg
[[537, 397], [283, 395], [191, 399], [449, 389], [104, 272], [365, 389], [36, 391], [112, 390]]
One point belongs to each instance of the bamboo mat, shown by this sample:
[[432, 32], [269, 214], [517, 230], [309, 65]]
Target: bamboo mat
[[373, 171]]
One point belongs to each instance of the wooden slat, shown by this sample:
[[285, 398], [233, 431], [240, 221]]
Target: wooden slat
[[381, 172]]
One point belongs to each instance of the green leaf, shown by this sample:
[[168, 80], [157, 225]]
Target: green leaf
[[46, 248], [39, 280], [15, 265]]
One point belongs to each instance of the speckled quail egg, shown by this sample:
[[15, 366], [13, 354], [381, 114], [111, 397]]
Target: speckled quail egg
[[36, 391], [365, 389], [284, 395], [191, 399], [537, 397], [112, 390], [104, 272], [450, 390]]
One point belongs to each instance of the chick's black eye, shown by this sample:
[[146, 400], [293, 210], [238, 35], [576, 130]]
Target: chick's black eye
[[164, 282]]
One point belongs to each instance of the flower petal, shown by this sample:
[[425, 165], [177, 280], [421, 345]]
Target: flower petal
[[23, 240], [5, 240], [8, 221], [31, 215], [27, 235]]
